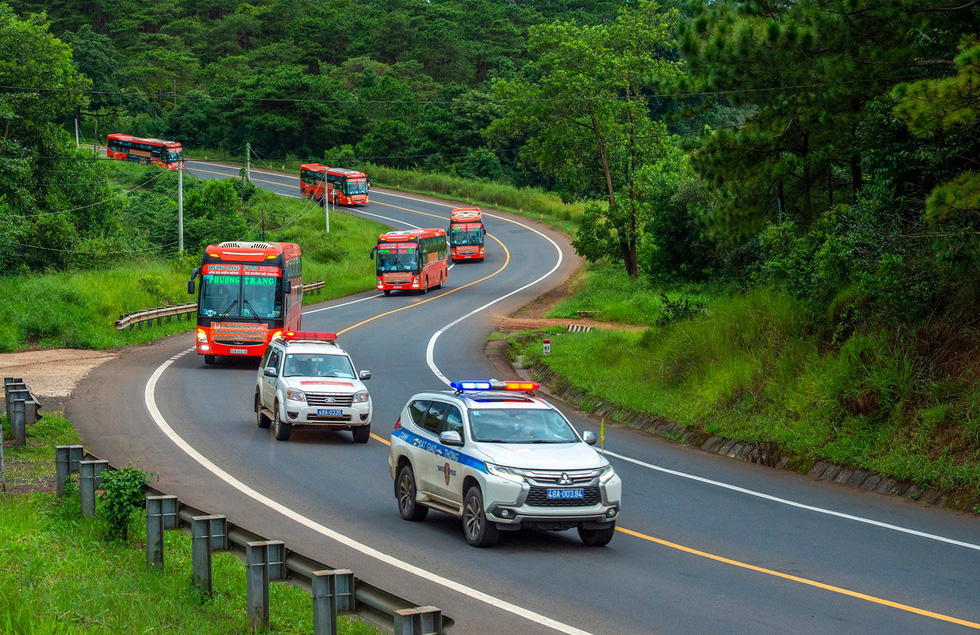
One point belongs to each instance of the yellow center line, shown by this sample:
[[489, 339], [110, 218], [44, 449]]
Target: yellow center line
[[793, 578]]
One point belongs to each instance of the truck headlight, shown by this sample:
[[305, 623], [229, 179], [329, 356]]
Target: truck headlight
[[507, 473], [606, 473], [361, 397], [295, 395]]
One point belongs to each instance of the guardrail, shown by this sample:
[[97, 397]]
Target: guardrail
[[333, 591], [22, 408], [147, 316]]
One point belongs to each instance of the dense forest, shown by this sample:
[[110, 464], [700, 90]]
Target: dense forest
[[828, 147]]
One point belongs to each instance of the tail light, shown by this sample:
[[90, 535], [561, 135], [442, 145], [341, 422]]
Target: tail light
[[398, 423]]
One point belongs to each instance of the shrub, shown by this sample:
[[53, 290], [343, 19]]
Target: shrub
[[123, 492]]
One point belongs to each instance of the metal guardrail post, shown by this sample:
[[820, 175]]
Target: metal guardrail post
[[31, 407], [257, 584], [161, 514], [89, 480], [422, 620], [18, 421], [12, 395], [66, 460], [333, 591], [208, 533]]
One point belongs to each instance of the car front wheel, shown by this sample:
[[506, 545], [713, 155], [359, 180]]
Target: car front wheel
[[479, 531], [597, 537], [405, 492], [280, 428], [362, 434]]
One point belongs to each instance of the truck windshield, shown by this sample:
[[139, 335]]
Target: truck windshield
[[391, 260], [230, 295]]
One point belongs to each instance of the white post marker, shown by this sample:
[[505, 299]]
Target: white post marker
[[180, 208], [546, 347]]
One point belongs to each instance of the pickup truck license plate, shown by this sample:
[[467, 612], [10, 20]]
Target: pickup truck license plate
[[329, 412], [239, 351], [566, 493]]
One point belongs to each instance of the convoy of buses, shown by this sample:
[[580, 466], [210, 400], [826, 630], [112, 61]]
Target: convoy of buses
[[252, 292]]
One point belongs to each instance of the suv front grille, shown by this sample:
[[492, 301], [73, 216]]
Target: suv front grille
[[538, 497], [575, 478], [328, 400]]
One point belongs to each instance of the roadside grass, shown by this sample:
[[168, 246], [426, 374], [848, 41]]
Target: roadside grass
[[751, 368], [77, 309], [60, 574]]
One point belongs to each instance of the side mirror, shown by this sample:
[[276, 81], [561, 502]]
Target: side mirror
[[371, 255], [451, 438], [190, 283], [270, 371], [589, 437], [364, 375]]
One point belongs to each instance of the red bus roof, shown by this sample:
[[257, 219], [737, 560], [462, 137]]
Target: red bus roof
[[318, 167], [466, 215], [408, 235], [118, 136], [253, 251]]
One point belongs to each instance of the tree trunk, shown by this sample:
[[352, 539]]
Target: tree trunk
[[856, 177]]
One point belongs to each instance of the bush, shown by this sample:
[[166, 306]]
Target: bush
[[123, 493]]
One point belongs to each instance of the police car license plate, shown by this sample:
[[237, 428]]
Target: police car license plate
[[239, 351], [566, 493], [329, 412]]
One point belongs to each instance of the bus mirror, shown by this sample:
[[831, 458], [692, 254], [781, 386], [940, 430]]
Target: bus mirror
[[371, 255], [190, 286]]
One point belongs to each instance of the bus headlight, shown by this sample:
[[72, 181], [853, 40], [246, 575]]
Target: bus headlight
[[202, 337], [361, 397], [295, 395]]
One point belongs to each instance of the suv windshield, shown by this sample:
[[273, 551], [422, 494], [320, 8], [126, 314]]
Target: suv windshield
[[317, 365], [520, 425]]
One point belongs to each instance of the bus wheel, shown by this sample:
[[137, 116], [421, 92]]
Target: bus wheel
[[439, 286], [209, 359], [387, 291], [425, 289]]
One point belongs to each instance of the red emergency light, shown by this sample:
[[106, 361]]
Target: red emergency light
[[319, 336]]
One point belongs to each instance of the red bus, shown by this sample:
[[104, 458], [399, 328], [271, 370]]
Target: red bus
[[344, 187], [250, 293], [124, 147], [466, 234], [413, 259]]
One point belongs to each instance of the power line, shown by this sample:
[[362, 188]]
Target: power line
[[77, 209]]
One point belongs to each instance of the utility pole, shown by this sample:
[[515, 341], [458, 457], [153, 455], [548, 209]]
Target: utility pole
[[77, 143], [248, 162], [326, 202], [180, 208]]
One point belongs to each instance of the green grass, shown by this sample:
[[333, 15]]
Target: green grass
[[753, 368], [77, 309], [60, 575]]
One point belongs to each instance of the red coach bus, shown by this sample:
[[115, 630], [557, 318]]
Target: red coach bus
[[124, 147], [344, 187], [466, 234], [411, 260], [250, 293]]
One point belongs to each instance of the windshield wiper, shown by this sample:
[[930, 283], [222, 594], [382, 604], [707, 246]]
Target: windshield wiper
[[248, 305], [228, 310]]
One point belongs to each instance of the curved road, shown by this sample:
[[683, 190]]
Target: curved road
[[705, 544]]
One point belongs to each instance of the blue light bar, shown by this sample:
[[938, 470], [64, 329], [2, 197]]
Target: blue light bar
[[471, 385]]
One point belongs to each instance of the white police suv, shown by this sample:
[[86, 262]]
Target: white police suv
[[306, 380], [500, 458]]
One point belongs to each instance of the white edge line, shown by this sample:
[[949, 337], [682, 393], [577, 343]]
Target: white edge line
[[775, 499], [151, 405]]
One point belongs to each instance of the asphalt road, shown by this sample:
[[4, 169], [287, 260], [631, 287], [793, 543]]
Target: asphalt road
[[706, 544]]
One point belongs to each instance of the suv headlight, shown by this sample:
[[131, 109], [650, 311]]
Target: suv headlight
[[362, 396], [606, 473], [507, 473], [295, 395]]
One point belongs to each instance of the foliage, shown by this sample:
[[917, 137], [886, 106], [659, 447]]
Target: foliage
[[123, 493]]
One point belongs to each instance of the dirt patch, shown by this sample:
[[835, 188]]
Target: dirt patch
[[521, 323], [52, 374]]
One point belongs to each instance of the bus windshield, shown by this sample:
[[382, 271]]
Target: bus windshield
[[232, 295], [390, 260], [461, 236], [174, 156], [358, 186]]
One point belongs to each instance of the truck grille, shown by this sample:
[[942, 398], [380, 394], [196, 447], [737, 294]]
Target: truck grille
[[329, 400], [538, 497]]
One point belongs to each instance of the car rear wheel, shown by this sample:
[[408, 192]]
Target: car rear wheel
[[405, 493], [597, 537], [362, 433], [280, 428], [479, 531], [260, 417]]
